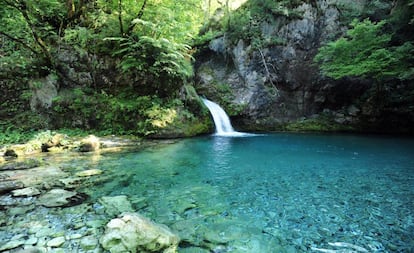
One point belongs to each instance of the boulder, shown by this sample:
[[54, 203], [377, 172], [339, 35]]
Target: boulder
[[135, 233], [55, 141], [89, 144]]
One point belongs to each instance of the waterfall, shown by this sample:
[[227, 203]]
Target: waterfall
[[221, 120]]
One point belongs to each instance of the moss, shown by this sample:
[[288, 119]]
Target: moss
[[319, 124]]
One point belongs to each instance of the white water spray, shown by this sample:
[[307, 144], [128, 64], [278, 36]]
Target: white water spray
[[221, 120]]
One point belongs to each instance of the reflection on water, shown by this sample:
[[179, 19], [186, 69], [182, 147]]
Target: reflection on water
[[221, 151]]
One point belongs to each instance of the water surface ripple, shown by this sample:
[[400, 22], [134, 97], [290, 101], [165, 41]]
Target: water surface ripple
[[259, 194], [276, 193]]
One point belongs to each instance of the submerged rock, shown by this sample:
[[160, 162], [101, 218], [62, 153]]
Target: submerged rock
[[135, 233], [11, 245], [27, 164], [116, 205], [89, 243], [88, 173], [9, 185], [56, 242], [26, 192], [61, 198]]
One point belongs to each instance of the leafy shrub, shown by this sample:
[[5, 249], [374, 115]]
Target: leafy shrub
[[121, 114], [162, 60]]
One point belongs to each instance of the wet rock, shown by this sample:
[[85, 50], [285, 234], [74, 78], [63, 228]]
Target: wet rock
[[20, 210], [56, 242], [10, 153], [44, 175], [75, 236], [135, 233], [70, 182], [11, 245], [27, 164], [116, 205], [89, 144], [89, 243], [31, 250], [88, 173], [10, 185], [193, 250], [61, 198], [31, 241], [56, 198], [55, 141], [26, 192]]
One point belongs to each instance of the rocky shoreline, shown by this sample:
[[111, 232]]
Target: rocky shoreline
[[43, 208]]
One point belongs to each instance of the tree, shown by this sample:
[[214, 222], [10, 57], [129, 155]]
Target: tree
[[366, 52]]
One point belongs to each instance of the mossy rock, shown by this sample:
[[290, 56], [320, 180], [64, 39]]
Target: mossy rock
[[319, 124]]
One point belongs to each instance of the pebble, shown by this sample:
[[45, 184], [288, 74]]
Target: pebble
[[19, 210], [45, 231], [41, 241], [56, 242], [26, 192], [89, 243], [31, 241], [75, 236], [12, 245], [32, 249], [88, 173], [95, 223]]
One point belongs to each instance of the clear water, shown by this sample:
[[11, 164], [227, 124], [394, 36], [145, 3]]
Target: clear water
[[274, 193]]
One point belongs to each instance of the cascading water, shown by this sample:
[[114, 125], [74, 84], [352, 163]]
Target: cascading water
[[221, 120]]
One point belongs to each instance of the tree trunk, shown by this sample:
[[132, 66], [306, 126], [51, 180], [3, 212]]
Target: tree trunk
[[121, 26], [139, 15]]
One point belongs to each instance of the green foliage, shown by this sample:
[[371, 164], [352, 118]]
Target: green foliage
[[366, 52], [122, 114], [165, 62], [149, 40], [10, 136], [245, 23]]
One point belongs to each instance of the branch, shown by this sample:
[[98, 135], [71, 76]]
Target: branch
[[139, 15], [21, 42], [267, 70], [121, 26], [23, 10]]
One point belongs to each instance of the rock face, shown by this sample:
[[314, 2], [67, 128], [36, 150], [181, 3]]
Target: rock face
[[44, 91], [135, 233], [269, 86]]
